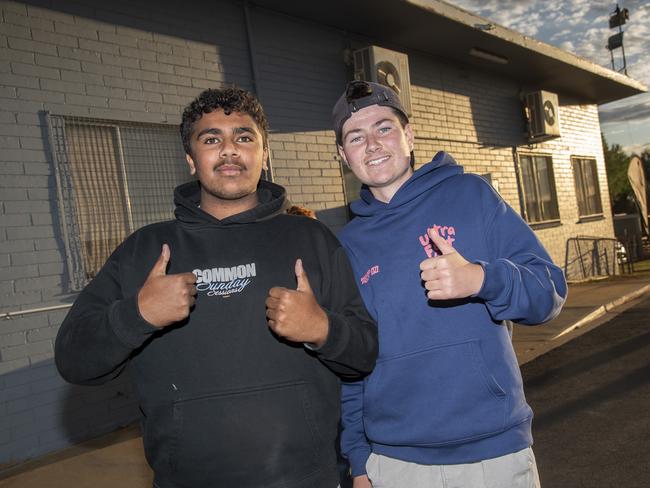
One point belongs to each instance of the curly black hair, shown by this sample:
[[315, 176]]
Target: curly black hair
[[231, 99]]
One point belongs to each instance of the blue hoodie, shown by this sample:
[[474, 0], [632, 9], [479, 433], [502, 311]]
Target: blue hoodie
[[447, 387]]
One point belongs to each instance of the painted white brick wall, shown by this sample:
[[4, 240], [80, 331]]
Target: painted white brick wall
[[92, 63]]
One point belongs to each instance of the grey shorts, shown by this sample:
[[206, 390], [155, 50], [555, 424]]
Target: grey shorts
[[516, 470]]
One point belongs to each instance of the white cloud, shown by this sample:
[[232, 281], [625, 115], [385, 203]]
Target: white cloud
[[568, 46], [632, 113], [560, 34], [637, 148]]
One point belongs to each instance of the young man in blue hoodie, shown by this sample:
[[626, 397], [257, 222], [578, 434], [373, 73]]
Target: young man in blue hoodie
[[442, 262]]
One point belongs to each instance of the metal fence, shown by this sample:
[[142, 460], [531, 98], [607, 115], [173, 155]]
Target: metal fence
[[592, 257]]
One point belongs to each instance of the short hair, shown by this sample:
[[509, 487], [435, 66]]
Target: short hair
[[230, 99], [403, 120]]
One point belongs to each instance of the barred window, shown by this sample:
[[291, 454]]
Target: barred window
[[538, 188], [585, 176], [112, 178]]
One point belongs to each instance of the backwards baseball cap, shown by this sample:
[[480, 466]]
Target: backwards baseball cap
[[362, 94]]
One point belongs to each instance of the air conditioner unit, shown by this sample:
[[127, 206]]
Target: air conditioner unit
[[543, 114], [389, 68]]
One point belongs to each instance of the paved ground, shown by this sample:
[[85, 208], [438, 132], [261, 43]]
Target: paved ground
[[117, 459], [588, 305], [112, 461], [591, 399]]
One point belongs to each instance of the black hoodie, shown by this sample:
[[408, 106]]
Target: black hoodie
[[226, 403]]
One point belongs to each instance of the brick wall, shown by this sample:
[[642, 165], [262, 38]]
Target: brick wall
[[580, 137], [120, 62], [477, 118], [300, 81], [143, 62]]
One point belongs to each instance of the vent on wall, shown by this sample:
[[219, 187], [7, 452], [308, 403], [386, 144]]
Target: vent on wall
[[543, 115], [389, 68]]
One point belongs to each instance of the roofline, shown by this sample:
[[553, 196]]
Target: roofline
[[474, 21]]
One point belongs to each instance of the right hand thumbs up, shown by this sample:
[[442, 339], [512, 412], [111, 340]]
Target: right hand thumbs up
[[165, 299], [160, 266]]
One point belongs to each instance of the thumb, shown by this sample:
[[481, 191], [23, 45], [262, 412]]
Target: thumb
[[160, 266], [301, 277], [441, 243]]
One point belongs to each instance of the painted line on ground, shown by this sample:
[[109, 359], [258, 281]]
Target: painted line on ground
[[602, 310]]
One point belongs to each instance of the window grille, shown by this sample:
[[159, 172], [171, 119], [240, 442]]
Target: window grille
[[585, 176], [112, 178], [538, 187]]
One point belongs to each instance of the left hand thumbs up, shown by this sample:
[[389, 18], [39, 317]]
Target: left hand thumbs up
[[301, 278], [295, 314], [449, 275], [441, 243]]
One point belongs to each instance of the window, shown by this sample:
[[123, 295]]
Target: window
[[538, 187], [585, 176], [112, 178]]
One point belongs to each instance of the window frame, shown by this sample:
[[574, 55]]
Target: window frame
[[580, 190], [546, 221], [70, 221]]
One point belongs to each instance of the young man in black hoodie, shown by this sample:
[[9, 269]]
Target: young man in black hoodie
[[236, 318]]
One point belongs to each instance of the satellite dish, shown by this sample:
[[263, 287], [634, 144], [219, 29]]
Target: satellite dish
[[388, 75]]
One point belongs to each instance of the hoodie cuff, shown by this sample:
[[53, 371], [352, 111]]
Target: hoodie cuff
[[495, 281], [358, 459], [337, 337], [127, 323]]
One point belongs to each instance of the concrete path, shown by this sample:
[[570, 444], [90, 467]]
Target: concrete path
[[588, 305], [117, 459]]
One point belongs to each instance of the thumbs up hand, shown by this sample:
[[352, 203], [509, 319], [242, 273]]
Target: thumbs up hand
[[295, 314], [165, 299], [449, 275]]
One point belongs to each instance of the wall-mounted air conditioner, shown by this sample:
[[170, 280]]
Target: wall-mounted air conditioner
[[386, 67], [543, 114]]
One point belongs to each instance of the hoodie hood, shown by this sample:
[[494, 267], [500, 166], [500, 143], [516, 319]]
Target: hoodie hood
[[441, 167], [272, 201]]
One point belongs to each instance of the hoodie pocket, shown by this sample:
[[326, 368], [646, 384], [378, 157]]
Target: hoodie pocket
[[435, 396], [264, 436]]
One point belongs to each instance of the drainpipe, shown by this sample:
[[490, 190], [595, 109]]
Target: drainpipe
[[520, 183], [257, 89]]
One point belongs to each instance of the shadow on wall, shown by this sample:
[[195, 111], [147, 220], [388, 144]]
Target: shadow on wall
[[293, 103], [42, 413], [300, 81], [495, 119]]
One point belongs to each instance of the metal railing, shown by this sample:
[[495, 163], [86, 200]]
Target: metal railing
[[19, 313], [590, 257]]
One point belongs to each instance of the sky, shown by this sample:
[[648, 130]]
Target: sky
[[582, 27]]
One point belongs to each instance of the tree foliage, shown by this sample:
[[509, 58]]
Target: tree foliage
[[620, 190]]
